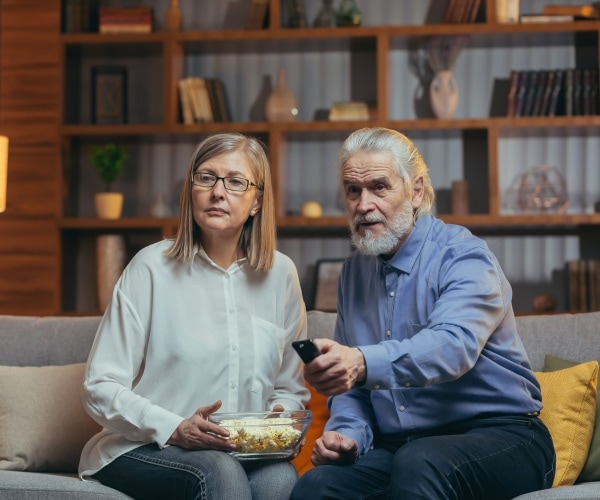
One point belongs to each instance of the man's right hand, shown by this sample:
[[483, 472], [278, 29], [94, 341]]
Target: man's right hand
[[334, 448], [337, 369]]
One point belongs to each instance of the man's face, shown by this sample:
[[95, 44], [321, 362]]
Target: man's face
[[379, 208]]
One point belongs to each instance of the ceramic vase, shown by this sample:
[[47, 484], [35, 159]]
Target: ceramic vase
[[443, 94], [173, 17], [110, 262], [281, 105], [348, 14]]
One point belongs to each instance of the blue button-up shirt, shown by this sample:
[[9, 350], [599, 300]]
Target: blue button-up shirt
[[437, 330]]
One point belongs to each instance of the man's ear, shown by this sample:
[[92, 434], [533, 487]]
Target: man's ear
[[418, 191]]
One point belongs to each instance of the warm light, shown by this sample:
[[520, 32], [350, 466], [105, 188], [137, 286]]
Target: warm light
[[3, 171]]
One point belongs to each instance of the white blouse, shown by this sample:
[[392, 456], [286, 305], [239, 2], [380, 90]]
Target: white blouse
[[176, 337]]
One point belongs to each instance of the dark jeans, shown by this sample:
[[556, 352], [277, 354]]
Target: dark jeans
[[488, 458], [175, 473]]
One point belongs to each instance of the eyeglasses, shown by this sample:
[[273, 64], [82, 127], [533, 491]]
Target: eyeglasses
[[206, 180]]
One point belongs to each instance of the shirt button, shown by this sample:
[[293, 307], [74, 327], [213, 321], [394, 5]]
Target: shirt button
[[388, 333], [227, 276], [377, 386], [392, 294], [401, 408], [233, 386], [407, 384], [234, 348], [231, 311]]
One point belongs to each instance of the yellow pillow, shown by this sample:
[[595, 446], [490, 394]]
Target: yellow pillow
[[569, 398]]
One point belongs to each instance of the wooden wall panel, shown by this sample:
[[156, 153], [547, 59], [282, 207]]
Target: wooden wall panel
[[30, 83]]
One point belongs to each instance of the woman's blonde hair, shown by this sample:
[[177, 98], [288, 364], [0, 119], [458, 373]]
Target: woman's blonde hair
[[407, 159], [258, 238]]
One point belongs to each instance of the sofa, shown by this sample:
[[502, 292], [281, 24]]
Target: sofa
[[43, 425]]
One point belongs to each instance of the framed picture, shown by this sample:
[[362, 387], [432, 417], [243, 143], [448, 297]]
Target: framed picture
[[327, 275], [109, 94]]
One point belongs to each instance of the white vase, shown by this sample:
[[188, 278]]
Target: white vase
[[110, 262], [281, 105], [443, 94]]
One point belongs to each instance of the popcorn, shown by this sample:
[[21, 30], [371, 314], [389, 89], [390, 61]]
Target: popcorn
[[262, 434]]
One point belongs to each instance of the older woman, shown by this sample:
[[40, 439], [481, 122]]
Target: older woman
[[197, 324]]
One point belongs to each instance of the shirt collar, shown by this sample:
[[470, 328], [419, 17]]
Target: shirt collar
[[405, 257]]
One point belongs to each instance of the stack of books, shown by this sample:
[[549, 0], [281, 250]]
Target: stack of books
[[565, 92], [353, 110], [125, 20], [562, 14], [462, 11], [202, 100], [583, 283]]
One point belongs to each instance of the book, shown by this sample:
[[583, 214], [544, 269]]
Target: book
[[539, 93], [532, 78], [222, 103], [125, 28], [541, 18], [511, 100], [585, 11], [449, 12], [185, 102], [568, 92], [475, 7], [200, 99], [594, 91], [577, 92], [547, 93], [556, 90], [257, 14], [521, 92], [586, 107]]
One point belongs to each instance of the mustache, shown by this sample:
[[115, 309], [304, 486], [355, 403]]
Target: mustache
[[367, 218]]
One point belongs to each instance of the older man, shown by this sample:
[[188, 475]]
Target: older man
[[433, 396]]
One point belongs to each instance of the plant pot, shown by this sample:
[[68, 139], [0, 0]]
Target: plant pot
[[109, 205]]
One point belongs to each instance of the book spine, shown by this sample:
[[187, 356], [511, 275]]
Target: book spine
[[521, 92], [547, 93], [125, 28], [511, 100], [539, 93], [556, 91], [532, 79], [577, 92]]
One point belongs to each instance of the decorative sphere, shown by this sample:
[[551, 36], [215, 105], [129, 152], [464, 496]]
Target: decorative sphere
[[312, 210], [543, 189]]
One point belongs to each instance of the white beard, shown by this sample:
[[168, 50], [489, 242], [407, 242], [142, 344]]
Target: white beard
[[393, 233]]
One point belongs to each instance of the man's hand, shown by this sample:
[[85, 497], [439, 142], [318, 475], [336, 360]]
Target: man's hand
[[197, 433], [337, 369], [334, 448]]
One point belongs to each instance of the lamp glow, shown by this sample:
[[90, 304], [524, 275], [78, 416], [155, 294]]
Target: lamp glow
[[3, 171]]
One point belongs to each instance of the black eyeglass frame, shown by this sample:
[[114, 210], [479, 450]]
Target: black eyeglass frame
[[223, 179]]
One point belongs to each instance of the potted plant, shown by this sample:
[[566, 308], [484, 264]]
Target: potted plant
[[109, 162]]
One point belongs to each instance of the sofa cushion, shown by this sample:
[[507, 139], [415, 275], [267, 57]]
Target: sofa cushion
[[569, 398], [591, 469], [43, 425]]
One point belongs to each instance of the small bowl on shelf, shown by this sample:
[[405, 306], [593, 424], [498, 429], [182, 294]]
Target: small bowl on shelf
[[265, 435]]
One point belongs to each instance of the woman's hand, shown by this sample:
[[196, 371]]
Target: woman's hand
[[198, 433]]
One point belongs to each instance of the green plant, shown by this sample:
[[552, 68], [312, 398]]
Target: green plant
[[109, 160]]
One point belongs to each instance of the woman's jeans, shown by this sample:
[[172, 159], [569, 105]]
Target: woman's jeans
[[486, 458], [179, 474]]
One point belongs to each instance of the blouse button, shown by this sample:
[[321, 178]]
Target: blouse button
[[392, 294]]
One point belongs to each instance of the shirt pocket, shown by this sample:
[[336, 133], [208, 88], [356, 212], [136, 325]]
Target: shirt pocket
[[269, 341]]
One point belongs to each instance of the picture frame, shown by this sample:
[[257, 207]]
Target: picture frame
[[109, 94], [327, 275]]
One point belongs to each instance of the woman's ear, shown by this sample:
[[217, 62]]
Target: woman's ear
[[418, 191], [257, 204]]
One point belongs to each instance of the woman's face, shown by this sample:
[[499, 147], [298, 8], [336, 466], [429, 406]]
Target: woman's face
[[217, 210]]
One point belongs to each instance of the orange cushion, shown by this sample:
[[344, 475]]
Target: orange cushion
[[320, 414]]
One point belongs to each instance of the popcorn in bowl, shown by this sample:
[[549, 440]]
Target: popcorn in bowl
[[266, 434]]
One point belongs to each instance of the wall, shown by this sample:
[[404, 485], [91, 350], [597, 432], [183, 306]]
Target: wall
[[29, 114]]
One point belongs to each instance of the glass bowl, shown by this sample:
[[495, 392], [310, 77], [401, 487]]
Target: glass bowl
[[264, 435]]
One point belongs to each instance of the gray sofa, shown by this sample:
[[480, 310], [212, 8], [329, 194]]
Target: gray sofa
[[50, 342]]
